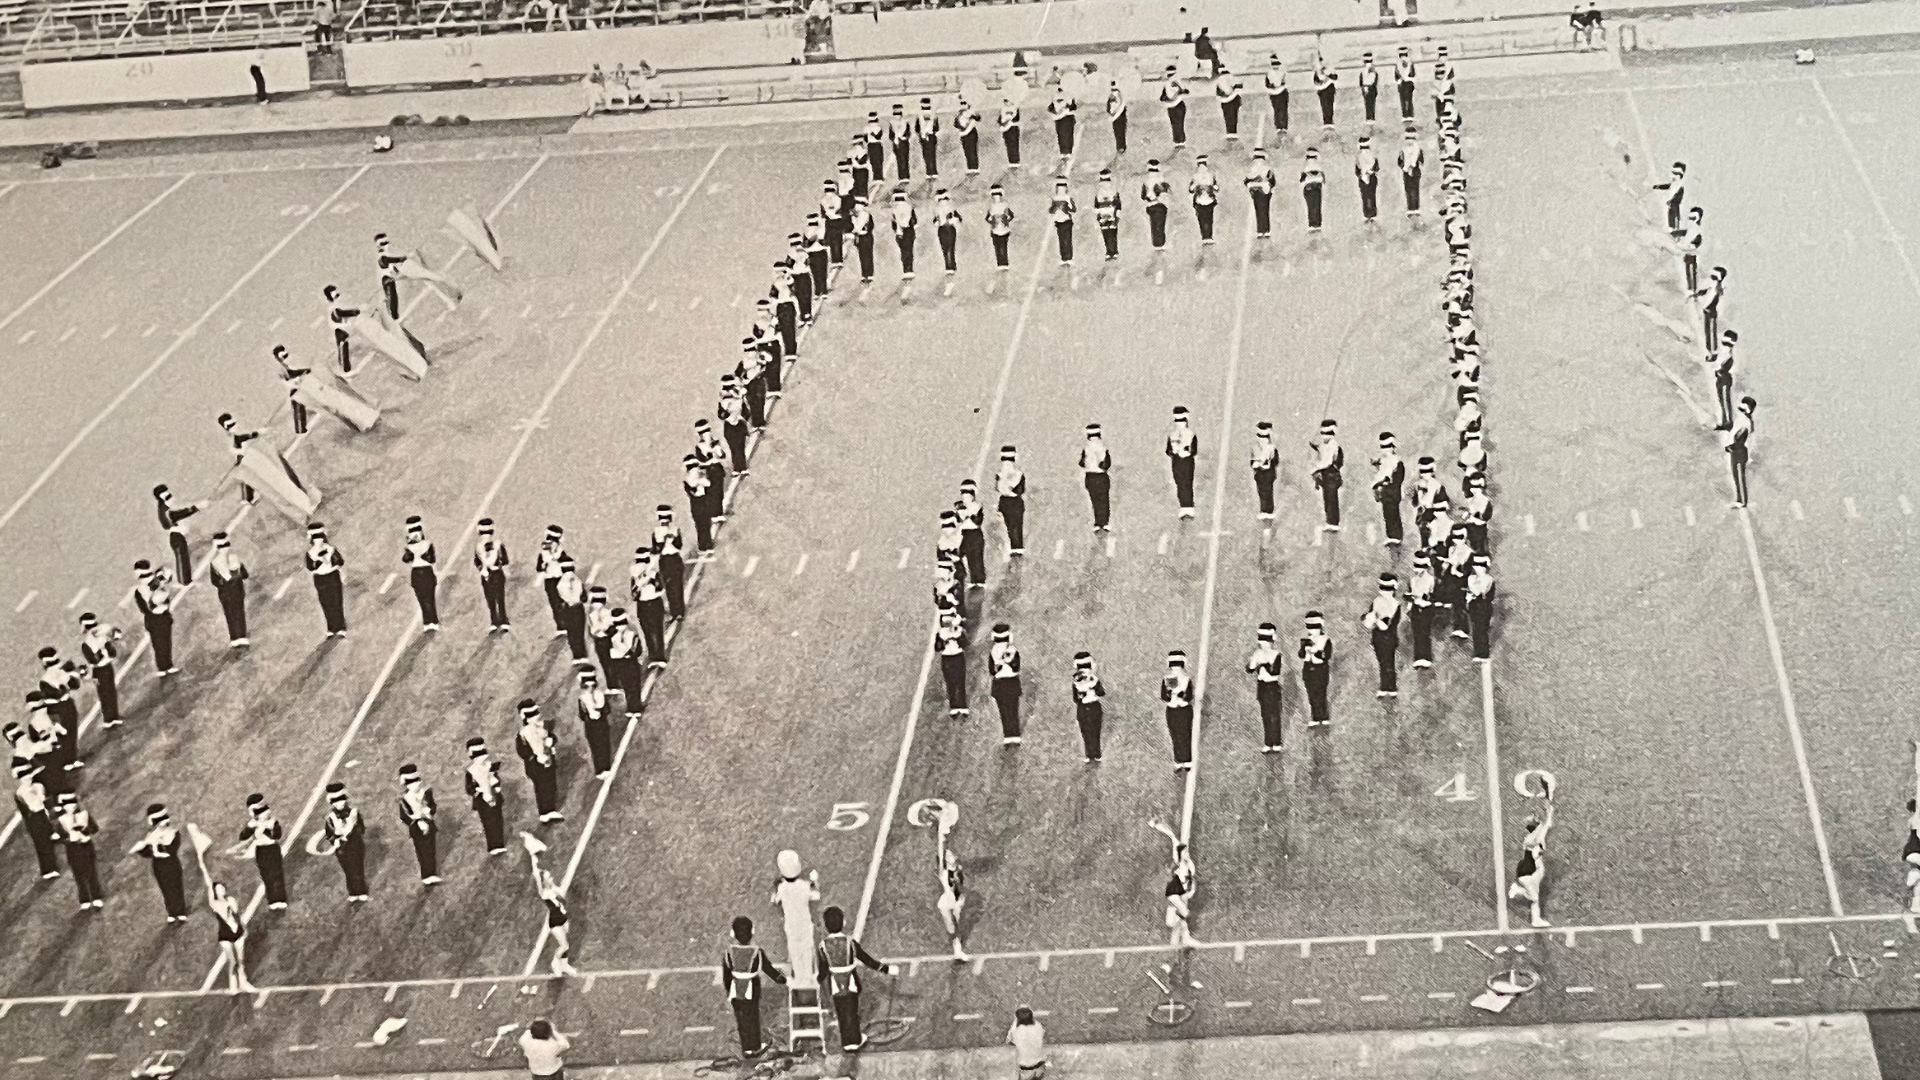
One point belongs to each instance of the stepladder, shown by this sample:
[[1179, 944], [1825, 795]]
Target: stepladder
[[804, 1018]]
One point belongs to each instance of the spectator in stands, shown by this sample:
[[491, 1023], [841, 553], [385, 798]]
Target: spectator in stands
[[323, 25], [640, 85], [594, 89], [1587, 23], [255, 69], [820, 28], [1206, 54], [546, 15]]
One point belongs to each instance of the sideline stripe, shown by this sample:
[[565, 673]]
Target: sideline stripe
[[987, 446], [172, 347], [1873, 192]]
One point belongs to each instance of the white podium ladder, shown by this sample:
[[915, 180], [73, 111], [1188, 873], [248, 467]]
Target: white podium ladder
[[804, 1018]]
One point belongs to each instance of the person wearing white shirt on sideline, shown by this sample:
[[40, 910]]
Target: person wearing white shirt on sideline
[[1029, 1041], [543, 1046]]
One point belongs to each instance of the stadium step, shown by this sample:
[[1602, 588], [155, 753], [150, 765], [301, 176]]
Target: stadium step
[[11, 103], [326, 70], [804, 1019]]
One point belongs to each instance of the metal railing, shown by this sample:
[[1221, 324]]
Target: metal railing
[[96, 28]]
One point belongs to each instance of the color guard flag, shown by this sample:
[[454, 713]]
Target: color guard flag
[[328, 394], [392, 341], [478, 235], [269, 471], [414, 268]]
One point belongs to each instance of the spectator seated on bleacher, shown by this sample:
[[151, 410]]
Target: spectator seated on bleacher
[[545, 15], [1587, 23]]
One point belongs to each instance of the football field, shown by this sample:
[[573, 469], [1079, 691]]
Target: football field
[[1721, 696]]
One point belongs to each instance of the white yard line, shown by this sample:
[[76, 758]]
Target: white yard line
[[172, 347], [1873, 192], [91, 252], [1236, 342], [988, 445], [1496, 812]]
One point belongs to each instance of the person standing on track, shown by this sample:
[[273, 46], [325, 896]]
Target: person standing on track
[[840, 955], [418, 816], [232, 928], [1096, 469], [1183, 447], [1089, 713], [536, 746], [99, 649], [740, 969], [417, 555], [1173, 94], [161, 848], [1382, 617], [490, 558], [260, 837], [323, 563], [1316, 657], [482, 779], [1176, 693], [75, 829], [345, 834], [154, 597], [1003, 661], [1328, 459], [1155, 190], [1530, 875], [1010, 485], [1265, 667]]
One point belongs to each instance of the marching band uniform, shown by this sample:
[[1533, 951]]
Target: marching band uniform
[[624, 671], [1276, 84], [1260, 184], [419, 557], [650, 606], [75, 829], [966, 121], [491, 559], [1003, 660], [262, 835], [100, 648], [1389, 477], [1265, 666], [1312, 181], [170, 520], [535, 744], [1226, 89], [1009, 122], [1096, 464], [1479, 592], [1204, 187], [1366, 171], [839, 953], [1265, 461], [347, 835], [1316, 654], [1106, 212], [697, 482], [1173, 94], [950, 641], [1328, 460], [900, 134], [240, 440], [1010, 484], [339, 316], [1324, 81], [161, 848], [596, 720], [1176, 691], [926, 127], [546, 565], [155, 600], [482, 780], [1088, 712], [417, 811], [1412, 158], [973, 537], [1154, 192], [999, 224], [229, 577], [905, 218], [30, 799], [1061, 211], [946, 226], [573, 611], [1403, 81], [860, 225], [1369, 85], [1064, 111], [1420, 603], [1117, 115], [323, 563], [1383, 619], [1183, 446], [740, 969]]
